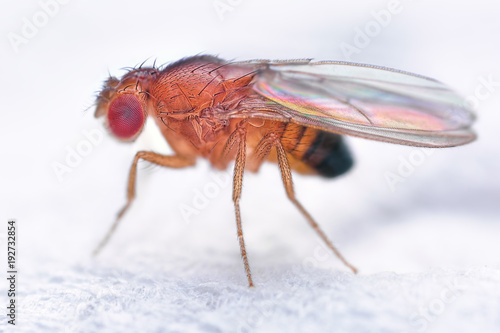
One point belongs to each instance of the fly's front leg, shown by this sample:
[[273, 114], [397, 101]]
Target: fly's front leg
[[174, 161]]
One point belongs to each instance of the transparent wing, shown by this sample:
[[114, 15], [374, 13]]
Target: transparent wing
[[367, 101]]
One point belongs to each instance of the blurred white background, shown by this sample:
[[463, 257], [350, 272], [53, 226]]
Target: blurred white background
[[165, 272]]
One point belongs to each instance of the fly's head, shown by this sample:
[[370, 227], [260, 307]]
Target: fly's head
[[124, 102]]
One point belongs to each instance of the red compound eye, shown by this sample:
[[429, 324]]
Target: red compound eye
[[125, 116]]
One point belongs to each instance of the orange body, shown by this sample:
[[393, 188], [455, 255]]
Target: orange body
[[181, 100]]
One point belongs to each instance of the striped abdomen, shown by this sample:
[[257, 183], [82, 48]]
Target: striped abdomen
[[324, 152]]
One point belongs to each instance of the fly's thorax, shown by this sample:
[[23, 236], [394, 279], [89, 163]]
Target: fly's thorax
[[194, 99], [195, 85]]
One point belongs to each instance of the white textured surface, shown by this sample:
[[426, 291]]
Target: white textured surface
[[427, 252], [95, 299]]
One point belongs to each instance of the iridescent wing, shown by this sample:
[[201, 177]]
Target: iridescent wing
[[367, 101]]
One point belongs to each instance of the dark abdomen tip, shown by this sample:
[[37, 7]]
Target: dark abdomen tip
[[329, 155]]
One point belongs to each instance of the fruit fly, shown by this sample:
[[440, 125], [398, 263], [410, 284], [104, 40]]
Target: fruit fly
[[293, 113]]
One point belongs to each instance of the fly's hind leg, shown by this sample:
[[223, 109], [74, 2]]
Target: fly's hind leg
[[286, 175], [174, 161]]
